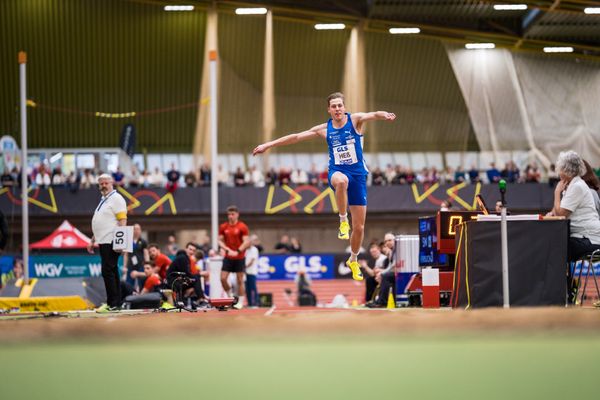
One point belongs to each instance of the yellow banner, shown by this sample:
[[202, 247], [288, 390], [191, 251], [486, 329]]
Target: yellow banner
[[60, 303]]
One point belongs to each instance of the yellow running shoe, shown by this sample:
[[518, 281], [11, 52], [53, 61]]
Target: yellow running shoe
[[344, 232], [356, 272]]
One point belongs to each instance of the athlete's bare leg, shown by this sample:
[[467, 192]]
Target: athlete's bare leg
[[359, 215], [224, 283], [339, 181], [241, 285]]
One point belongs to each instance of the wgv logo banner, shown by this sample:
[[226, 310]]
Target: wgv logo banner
[[65, 266]]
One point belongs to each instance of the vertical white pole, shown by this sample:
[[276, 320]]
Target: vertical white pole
[[504, 240], [24, 207], [214, 194]]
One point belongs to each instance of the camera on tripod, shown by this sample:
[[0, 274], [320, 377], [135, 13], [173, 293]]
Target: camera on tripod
[[180, 282]]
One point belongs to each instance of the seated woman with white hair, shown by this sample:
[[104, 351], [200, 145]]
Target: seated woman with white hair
[[573, 200]]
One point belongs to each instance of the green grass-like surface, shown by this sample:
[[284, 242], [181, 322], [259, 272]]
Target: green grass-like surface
[[441, 367]]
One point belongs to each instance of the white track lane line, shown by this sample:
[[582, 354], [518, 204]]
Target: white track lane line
[[270, 311]]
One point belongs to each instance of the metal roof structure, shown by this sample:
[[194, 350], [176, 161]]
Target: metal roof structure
[[542, 23]]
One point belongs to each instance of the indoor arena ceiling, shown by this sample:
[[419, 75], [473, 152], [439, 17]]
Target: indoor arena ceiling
[[543, 23]]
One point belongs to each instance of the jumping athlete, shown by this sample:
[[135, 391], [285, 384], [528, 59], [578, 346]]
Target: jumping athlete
[[347, 168]]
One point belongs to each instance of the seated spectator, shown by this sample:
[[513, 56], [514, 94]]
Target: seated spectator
[[173, 176], [190, 179], [493, 175], [446, 205], [16, 272], [324, 178], [591, 180], [222, 176], [157, 179], [205, 175], [199, 268], [284, 176], [313, 176], [510, 173], [295, 246], [532, 173], [474, 174], [299, 177], [460, 175], [255, 177], [423, 176], [6, 180], [160, 261], [284, 245], [239, 178], [410, 176], [553, 177], [145, 179], [171, 248], [73, 181], [153, 282], [378, 178], [118, 177], [134, 177], [498, 207], [434, 175], [389, 174], [378, 263], [88, 179], [42, 177], [58, 179], [271, 177], [573, 200], [399, 176], [447, 176], [385, 277]]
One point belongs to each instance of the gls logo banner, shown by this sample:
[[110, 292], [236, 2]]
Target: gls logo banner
[[317, 266]]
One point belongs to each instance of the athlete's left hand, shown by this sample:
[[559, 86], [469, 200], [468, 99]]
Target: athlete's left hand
[[390, 116], [261, 148]]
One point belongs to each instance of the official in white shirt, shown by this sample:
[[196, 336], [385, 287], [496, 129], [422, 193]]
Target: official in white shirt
[[573, 200], [109, 213], [252, 256]]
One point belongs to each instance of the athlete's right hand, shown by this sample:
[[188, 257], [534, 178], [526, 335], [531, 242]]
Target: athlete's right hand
[[261, 148]]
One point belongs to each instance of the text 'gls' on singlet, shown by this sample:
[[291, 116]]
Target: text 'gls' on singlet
[[345, 149]]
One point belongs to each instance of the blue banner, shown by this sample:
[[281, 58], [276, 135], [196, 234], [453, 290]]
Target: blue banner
[[276, 267], [65, 266]]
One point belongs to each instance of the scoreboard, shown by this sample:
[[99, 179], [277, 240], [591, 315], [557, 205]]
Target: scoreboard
[[447, 221]]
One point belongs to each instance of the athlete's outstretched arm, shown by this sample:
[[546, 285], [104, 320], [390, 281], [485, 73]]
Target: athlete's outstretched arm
[[292, 138], [360, 118]]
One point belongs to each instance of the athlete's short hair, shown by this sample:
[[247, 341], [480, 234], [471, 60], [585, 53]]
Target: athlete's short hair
[[336, 95], [233, 209]]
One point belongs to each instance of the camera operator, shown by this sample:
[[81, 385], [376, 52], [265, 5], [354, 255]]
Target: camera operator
[[181, 279]]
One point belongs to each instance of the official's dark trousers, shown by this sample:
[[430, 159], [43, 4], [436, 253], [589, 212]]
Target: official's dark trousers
[[110, 273], [388, 281], [251, 290]]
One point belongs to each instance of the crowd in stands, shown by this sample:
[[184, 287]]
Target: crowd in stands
[[43, 176]]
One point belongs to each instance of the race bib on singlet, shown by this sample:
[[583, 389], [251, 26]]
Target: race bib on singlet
[[345, 154]]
